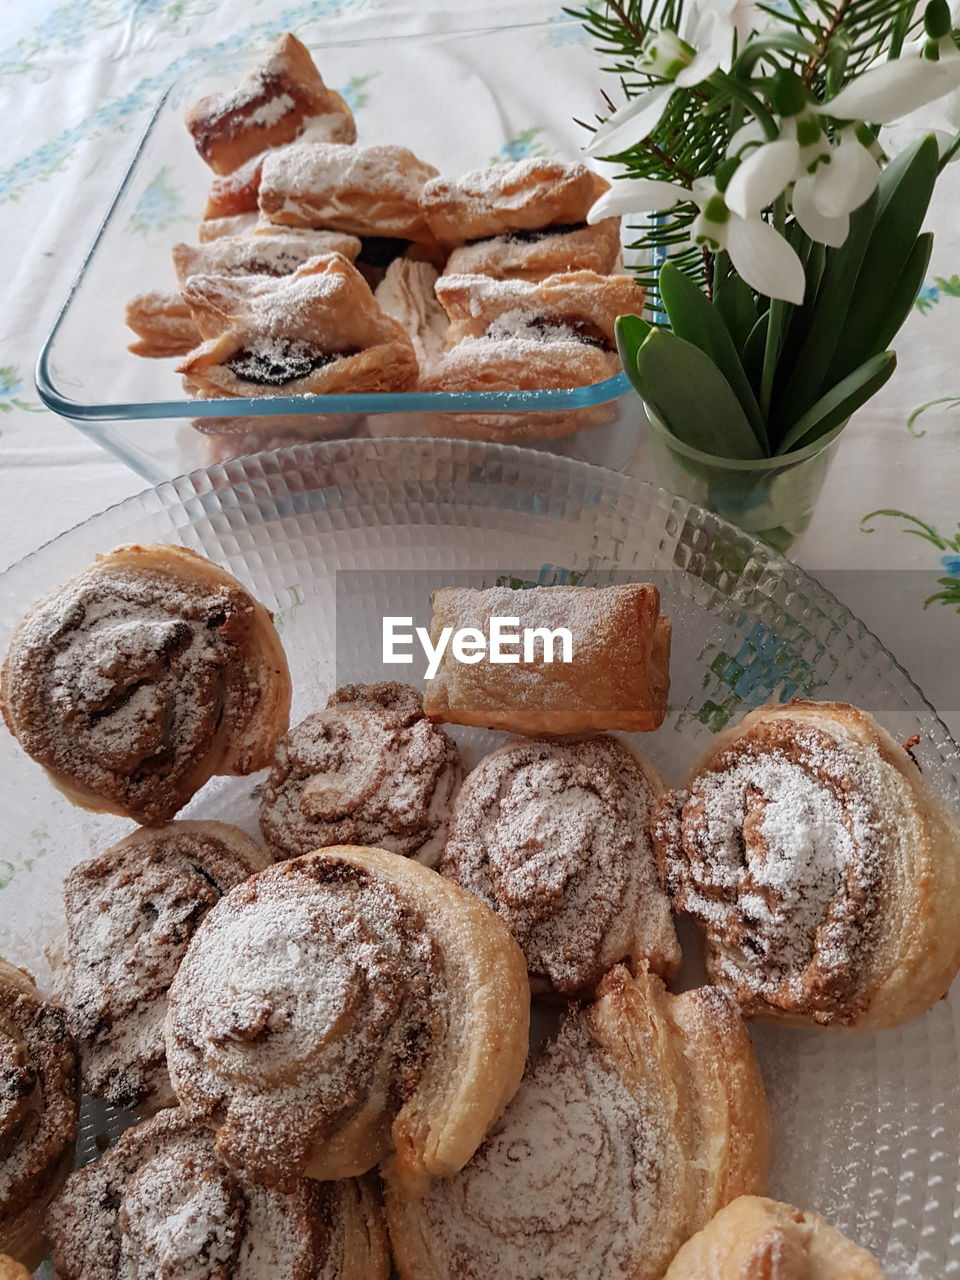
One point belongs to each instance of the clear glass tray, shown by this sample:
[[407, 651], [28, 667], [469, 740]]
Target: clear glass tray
[[402, 90], [867, 1128]]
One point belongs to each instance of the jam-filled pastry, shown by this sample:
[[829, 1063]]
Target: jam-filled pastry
[[532, 255], [407, 294], [644, 1115], [143, 676], [271, 255], [38, 1111], [237, 224], [553, 837], [366, 191], [753, 1238], [345, 1008], [370, 769], [526, 195], [163, 323], [614, 672], [579, 307], [130, 914], [318, 331], [163, 1205], [279, 98], [821, 866], [236, 193]]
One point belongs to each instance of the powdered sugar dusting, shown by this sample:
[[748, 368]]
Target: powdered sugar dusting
[[552, 836]]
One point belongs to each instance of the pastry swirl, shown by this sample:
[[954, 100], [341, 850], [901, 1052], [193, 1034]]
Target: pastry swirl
[[342, 1006], [820, 866], [130, 914], [641, 1118], [38, 1110], [142, 677], [553, 837], [370, 769], [162, 1205], [753, 1238]]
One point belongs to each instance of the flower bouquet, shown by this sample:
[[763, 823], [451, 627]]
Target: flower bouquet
[[784, 246]]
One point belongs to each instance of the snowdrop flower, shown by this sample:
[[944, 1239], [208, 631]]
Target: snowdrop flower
[[836, 180], [760, 255], [682, 60], [889, 90]]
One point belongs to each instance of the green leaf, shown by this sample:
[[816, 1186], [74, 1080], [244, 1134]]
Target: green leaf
[[818, 324], [878, 331], [906, 186], [840, 402], [738, 309], [631, 332], [694, 318], [754, 349], [692, 398]]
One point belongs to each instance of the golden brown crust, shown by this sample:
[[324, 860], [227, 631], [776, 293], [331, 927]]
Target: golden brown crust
[[407, 295], [852, 855], [753, 1238], [131, 913], [163, 324], [276, 101], [553, 837], [270, 255], [317, 331], [581, 302], [238, 224], [537, 255], [404, 1029], [232, 194], [38, 1110], [618, 677], [366, 191], [12, 1270], [618, 1145], [163, 1203], [142, 677], [524, 194]]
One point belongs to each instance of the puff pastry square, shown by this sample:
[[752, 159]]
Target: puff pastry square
[[526, 194], [618, 678], [163, 324], [366, 191], [545, 251], [271, 255], [318, 331], [272, 106]]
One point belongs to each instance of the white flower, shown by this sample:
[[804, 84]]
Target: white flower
[[763, 176], [889, 90], [834, 181], [760, 255], [683, 59]]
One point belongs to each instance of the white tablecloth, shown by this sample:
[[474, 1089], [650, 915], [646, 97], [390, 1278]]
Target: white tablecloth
[[78, 80]]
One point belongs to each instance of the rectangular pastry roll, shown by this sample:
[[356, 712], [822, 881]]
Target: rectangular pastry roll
[[618, 677]]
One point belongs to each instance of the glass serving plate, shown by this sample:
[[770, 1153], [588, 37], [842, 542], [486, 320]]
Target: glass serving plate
[[401, 89], [333, 536]]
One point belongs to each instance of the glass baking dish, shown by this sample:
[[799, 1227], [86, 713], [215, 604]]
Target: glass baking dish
[[459, 100]]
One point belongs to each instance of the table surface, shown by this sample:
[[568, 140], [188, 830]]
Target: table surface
[[80, 78]]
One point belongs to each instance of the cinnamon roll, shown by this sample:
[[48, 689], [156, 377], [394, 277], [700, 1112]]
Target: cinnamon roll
[[821, 867], [279, 98], [611, 672], [757, 1239], [38, 1111], [370, 769], [643, 1116], [163, 1205], [553, 837], [142, 677], [130, 914], [344, 1008]]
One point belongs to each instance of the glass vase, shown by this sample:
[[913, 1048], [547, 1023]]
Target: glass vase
[[773, 498]]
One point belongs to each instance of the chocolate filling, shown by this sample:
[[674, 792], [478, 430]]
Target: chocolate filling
[[380, 251], [531, 235], [280, 362]]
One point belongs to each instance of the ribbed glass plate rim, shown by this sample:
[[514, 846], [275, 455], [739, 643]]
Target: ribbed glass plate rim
[[309, 472]]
